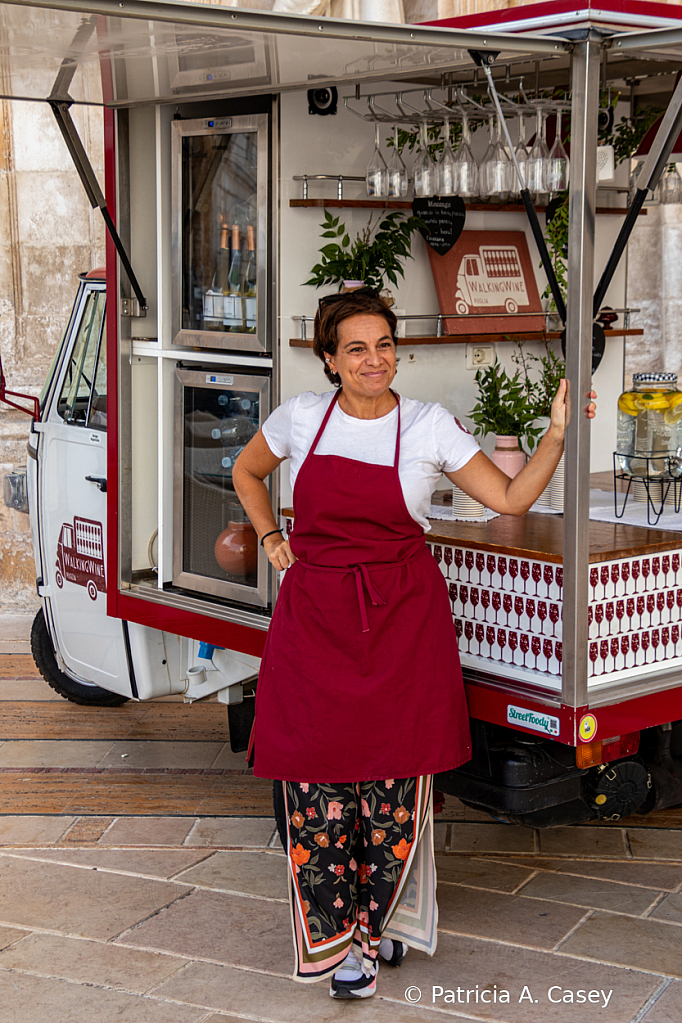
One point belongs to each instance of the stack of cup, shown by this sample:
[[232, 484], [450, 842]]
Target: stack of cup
[[656, 491], [545, 498], [465, 506], [556, 487]]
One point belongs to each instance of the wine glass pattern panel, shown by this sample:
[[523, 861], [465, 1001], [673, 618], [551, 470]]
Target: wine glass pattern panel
[[508, 611]]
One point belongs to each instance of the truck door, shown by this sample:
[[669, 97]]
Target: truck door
[[72, 486]]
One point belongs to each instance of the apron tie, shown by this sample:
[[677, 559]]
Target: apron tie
[[361, 573], [363, 580]]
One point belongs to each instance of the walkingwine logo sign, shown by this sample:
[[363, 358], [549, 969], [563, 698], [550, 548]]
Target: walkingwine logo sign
[[534, 719]]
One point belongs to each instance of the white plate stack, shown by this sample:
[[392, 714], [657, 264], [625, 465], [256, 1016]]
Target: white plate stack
[[556, 487], [638, 491], [545, 498], [465, 506]]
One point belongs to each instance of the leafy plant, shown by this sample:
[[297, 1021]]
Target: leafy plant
[[377, 254], [504, 405], [540, 392]]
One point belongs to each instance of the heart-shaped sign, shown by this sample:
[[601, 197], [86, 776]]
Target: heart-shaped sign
[[444, 216]]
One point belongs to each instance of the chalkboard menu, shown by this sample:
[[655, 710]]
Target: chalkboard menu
[[444, 217]]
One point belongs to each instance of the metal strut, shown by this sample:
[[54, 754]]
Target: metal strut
[[60, 102]]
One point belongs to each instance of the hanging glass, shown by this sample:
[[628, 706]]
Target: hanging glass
[[376, 174], [537, 161], [447, 166], [521, 154], [484, 180], [425, 171], [557, 163], [500, 169], [396, 170], [467, 168]]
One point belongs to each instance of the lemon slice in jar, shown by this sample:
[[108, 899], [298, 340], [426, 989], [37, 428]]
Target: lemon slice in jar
[[672, 416], [626, 404], [651, 401], [674, 399]]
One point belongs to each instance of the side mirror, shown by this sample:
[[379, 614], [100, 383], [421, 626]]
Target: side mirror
[[5, 396]]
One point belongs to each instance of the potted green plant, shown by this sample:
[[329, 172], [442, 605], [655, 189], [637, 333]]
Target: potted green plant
[[506, 409], [375, 256]]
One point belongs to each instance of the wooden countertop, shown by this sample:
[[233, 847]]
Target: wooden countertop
[[540, 536]]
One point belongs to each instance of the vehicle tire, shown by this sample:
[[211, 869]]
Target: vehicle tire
[[511, 306], [59, 579], [461, 307], [46, 662], [92, 590]]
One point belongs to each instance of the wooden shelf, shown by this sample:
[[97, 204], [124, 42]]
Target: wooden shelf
[[406, 204], [489, 339]]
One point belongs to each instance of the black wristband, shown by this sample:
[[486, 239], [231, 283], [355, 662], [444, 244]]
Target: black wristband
[[271, 533]]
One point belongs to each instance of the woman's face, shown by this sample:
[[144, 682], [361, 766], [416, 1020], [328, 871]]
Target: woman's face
[[365, 356]]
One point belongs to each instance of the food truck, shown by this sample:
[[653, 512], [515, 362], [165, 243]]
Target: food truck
[[151, 579]]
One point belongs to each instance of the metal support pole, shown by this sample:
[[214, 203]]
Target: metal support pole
[[581, 230]]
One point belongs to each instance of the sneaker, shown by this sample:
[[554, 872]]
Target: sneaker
[[351, 980], [392, 952]]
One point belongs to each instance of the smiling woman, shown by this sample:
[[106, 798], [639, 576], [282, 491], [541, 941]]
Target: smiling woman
[[361, 630]]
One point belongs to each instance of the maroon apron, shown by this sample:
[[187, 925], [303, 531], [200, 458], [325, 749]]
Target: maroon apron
[[360, 678]]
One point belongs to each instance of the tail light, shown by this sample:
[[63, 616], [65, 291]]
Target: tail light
[[603, 750]]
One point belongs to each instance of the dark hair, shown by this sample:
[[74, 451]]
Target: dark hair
[[333, 309]]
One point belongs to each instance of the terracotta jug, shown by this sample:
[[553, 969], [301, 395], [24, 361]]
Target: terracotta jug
[[236, 549], [507, 455]]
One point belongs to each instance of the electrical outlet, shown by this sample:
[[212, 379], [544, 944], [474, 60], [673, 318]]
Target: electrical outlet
[[480, 356]]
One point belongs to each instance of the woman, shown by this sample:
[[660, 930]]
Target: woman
[[360, 697]]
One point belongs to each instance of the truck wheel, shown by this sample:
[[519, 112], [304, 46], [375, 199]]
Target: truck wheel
[[511, 306], [461, 307], [59, 579], [46, 662], [92, 590]]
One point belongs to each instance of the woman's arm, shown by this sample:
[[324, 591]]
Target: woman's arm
[[253, 465], [486, 483]]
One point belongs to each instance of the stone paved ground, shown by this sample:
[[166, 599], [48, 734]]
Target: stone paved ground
[[127, 913]]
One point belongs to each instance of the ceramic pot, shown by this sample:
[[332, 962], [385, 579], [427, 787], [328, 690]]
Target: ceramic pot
[[352, 285], [507, 455], [236, 549]]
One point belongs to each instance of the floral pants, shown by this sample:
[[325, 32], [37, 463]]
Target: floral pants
[[350, 847]]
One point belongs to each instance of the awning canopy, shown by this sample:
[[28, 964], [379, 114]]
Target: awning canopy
[[139, 52]]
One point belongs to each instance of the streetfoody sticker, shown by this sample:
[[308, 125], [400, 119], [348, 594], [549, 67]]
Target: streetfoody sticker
[[492, 995], [534, 719]]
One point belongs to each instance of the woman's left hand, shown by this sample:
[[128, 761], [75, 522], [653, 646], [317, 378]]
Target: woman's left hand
[[561, 404]]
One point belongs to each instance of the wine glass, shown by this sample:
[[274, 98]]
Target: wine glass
[[655, 569], [620, 613], [625, 649], [484, 180], [424, 172], [469, 563], [469, 633], [635, 572], [452, 591], [464, 597], [605, 574], [678, 598], [507, 605], [447, 165], [467, 168], [536, 647], [625, 573], [491, 565], [547, 650], [537, 575], [670, 602], [651, 606], [521, 154], [542, 613], [501, 642], [485, 603], [593, 656], [458, 629], [524, 643], [615, 650], [594, 582], [630, 610], [525, 573], [675, 562], [559, 651], [559, 576], [437, 553], [536, 166], [513, 643], [558, 162], [376, 174], [459, 559], [530, 611], [497, 604], [490, 638], [604, 653], [615, 576], [609, 611], [513, 569], [660, 606], [480, 634], [646, 569], [518, 609], [599, 616], [502, 569], [548, 576], [396, 171], [480, 565], [447, 558], [554, 617], [474, 598], [641, 606], [675, 635], [645, 644], [634, 643]]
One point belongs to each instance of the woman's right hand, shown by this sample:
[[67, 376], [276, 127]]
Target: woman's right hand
[[279, 552]]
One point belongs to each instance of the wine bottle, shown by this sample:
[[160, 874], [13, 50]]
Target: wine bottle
[[250, 283], [213, 299], [233, 303]]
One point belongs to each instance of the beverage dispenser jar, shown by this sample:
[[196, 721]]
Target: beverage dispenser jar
[[650, 426]]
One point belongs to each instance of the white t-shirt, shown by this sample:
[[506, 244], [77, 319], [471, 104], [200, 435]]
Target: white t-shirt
[[431, 442]]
